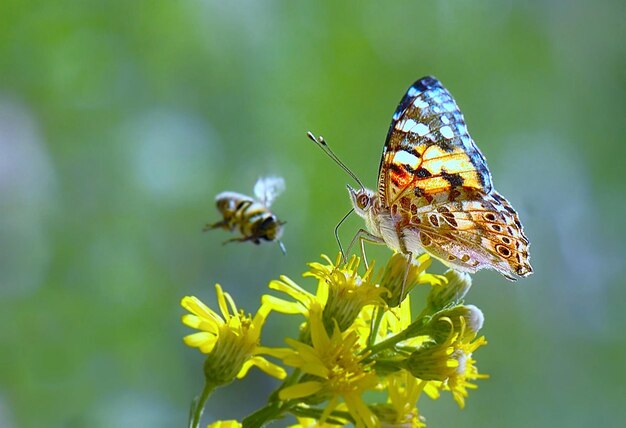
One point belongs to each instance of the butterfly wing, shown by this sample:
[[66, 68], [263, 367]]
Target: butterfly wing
[[428, 148], [266, 189], [474, 232]]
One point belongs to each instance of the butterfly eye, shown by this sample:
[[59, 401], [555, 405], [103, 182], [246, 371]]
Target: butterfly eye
[[363, 201]]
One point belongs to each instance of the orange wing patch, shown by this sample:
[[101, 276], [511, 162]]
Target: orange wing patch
[[428, 148]]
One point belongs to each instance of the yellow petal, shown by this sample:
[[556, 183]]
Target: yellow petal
[[200, 339], [282, 306], [300, 390], [290, 288], [196, 307], [279, 353], [221, 302], [224, 424], [260, 362]]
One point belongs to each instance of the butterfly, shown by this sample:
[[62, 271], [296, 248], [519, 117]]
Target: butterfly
[[435, 192]]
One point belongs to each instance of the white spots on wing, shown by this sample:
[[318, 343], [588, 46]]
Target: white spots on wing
[[406, 125], [397, 115], [409, 125], [412, 92], [450, 106], [406, 158], [422, 129], [445, 120], [437, 109], [420, 103], [462, 128], [446, 131]]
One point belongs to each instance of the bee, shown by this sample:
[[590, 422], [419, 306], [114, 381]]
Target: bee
[[251, 216]]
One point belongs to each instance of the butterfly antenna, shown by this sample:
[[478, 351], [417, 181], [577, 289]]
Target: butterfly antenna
[[343, 254], [321, 143]]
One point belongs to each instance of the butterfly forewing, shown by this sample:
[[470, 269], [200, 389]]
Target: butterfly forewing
[[428, 147]]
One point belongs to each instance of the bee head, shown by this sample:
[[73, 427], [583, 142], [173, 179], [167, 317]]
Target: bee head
[[270, 228], [362, 200]]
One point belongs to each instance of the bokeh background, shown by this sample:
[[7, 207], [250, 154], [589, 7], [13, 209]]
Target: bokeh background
[[120, 121]]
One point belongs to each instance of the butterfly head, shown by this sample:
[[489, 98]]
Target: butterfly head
[[362, 200]]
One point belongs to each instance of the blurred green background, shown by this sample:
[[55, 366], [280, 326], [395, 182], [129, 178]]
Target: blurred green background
[[120, 121]]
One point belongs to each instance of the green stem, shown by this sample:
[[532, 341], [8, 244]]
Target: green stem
[[315, 413], [197, 407], [266, 414], [411, 331], [376, 320], [274, 408]]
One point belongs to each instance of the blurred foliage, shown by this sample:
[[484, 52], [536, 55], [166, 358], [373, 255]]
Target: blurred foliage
[[119, 122]]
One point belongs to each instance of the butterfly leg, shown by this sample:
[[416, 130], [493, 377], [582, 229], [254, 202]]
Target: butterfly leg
[[409, 260], [363, 235]]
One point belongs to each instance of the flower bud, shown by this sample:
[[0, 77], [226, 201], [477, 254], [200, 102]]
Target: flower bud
[[432, 362], [224, 363], [466, 320], [452, 293], [400, 276]]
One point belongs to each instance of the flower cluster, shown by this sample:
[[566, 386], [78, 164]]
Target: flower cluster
[[358, 335]]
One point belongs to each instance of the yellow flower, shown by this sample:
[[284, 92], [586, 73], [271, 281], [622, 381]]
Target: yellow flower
[[403, 391], [347, 292], [333, 369], [341, 292], [231, 340], [225, 424], [467, 372], [450, 363]]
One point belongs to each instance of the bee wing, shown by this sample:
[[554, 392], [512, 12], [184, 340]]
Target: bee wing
[[266, 189]]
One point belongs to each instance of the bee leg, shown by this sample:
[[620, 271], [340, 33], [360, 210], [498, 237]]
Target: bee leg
[[282, 247], [363, 235], [223, 224], [244, 239]]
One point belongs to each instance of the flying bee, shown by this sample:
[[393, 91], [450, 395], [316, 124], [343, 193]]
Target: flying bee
[[251, 216]]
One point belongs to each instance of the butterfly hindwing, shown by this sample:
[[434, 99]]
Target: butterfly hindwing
[[428, 148], [471, 232]]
